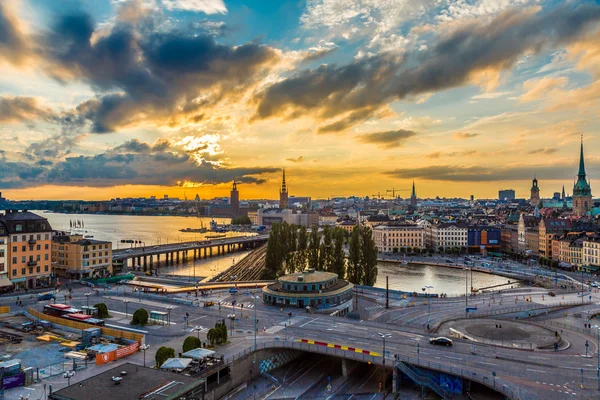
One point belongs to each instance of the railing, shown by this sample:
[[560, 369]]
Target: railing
[[60, 368], [419, 379]]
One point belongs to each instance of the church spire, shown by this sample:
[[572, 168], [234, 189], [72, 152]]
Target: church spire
[[581, 173], [283, 187], [414, 192]]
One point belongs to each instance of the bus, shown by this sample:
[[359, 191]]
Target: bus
[[88, 319], [59, 310]]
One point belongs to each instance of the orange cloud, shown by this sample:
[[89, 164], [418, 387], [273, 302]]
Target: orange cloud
[[537, 89]]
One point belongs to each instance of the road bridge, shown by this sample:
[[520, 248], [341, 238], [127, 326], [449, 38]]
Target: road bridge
[[175, 253]]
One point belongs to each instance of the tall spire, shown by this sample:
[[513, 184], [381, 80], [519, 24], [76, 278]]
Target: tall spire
[[414, 192], [283, 187], [581, 173]]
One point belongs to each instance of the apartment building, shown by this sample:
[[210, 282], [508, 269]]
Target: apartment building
[[548, 228], [393, 237], [77, 257], [448, 235], [5, 283], [27, 249], [591, 251]]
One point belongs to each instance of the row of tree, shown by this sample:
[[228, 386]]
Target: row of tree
[[293, 249]]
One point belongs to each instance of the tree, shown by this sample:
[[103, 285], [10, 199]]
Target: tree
[[355, 272], [338, 264], [368, 257], [313, 247], [302, 239], [163, 354], [327, 249], [102, 310], [276, 251], [213, 336], [191, 343], [140, 317], [221, 329], [243, 220]]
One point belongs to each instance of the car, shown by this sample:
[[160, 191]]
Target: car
[[594, 284], [442, 341], [551, 294], [45, 296], [233, 290]]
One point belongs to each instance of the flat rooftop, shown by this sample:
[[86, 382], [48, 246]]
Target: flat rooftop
[[139, 383]]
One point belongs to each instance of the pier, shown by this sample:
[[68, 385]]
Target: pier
[[148, 257]]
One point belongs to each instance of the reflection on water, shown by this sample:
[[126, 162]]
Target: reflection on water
[[413, 277]]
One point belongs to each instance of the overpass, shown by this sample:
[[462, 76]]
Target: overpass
[[175, 253]]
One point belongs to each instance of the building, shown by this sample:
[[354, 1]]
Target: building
[[234, 201], [483, 238], [548, 228], [5, 283], [534, 200], [348, 225], [137, 383], [253, 215], [327, 218], [75, 257], [392, 238], [413, 196], [317, 289], [591, 252], [510, 238], [274, 216], [506, 195], [569, 248], [299, 201], [528, 230], [27, 238], [582, 191], [448, 235], [283, 194]]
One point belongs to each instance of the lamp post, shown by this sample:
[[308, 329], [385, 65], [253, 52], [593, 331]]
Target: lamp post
[[598, 353], [232, 318], [126, 303], [198, 329], [144, 347], [87, 299], [428, 304], [466, 287], [383, 336], [255, 321]]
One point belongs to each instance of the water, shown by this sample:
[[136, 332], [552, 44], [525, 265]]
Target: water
[[153, 230], [150, 231], [414, 277]]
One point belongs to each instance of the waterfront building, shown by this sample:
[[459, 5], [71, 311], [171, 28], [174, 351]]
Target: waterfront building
[[317, 289], [75, 257], [528, 230], [253, 215], [483, 238], [506, 195], [591, 252], [448, 235], [582, 191], [28, 238], [283, 194], [534, 199], [510, 238], [391, 238], [548, 228]]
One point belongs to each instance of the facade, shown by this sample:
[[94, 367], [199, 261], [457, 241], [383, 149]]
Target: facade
[[528, 230], [569, 248], [591, 251], [274, 216], [510, 238], [283, 195], [327, 219], [317, 289], [582, 191], [393, 237], [535, 193], [548, 228], [483, 238], [449, 235], [27, 238], [76, 257], [347, 225], [5, 283], [506, 195]]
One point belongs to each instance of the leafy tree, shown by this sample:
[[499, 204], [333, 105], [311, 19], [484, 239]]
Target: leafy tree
[[191, 343], [213, 336], [276, 251], [243, 220], [338, 264], [313, 247], [368, 257], [355, 272], [302, 239], [221, 332], [140, 317], [163, 354], [102, 310], [326, 250]]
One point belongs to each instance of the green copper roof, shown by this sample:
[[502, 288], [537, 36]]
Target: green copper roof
[[581, 173]]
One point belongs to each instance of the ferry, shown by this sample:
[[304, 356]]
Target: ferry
[[194, 230]]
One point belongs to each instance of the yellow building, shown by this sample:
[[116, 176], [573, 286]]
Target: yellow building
[[393, 237], [77, 257]]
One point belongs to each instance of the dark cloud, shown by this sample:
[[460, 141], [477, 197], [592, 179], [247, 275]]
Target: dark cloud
[[54, 147], [389, 139], [332, 90], [13, 45], [464, 135], [148, 74], [21, 109], [133, 162], [545, 150], [353, 118], [296, 160]]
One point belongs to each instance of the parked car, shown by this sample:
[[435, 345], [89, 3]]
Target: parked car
[[233, 290], [45, 296], [551, 294], [442, 341]]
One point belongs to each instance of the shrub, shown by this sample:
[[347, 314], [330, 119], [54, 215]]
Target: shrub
[[163, 354], [191, 343], [140, 317], [102, 310]]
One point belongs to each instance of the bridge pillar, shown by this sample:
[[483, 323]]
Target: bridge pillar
[[395, 380], [151, 260], [158, 260], [195, 254], [139, 260], [145, 263], [177, 257], [348, 367]]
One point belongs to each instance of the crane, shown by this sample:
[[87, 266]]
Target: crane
[[394, 190], [378, 195]]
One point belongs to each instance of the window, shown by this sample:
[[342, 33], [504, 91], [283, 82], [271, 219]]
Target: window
[[39, 237], [23, 248], [23, 259], [14, 260], [1, 267], [14, 238], [31, 270], [14, 249], [23, 238], [1, 253], [18, 228], [38, 269], [38, 258], [38, 247], [14, 273], [46, 256], [23, 271], [45, 268], [46, 246]]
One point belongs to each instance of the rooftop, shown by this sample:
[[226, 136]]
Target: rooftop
[[309, 276], [139, 382]]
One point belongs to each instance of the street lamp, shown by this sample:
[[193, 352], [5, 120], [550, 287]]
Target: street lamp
[[598, 353], [428, 304], [126, 302], [255, 321], [144, 347], [232, 318], [383, 336], [87, 299], [467, 287], [198, 329]]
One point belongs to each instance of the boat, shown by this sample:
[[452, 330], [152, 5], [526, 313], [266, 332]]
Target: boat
[[404, 262], [215, 236], [194, 230]]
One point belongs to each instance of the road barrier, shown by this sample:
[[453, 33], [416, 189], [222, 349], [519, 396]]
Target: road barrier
[[4, 309]]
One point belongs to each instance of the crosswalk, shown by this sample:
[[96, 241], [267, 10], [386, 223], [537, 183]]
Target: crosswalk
[[202, 330], [228, 304], [375, 307]]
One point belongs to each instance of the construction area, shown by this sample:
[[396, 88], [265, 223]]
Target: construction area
[[250, 268]]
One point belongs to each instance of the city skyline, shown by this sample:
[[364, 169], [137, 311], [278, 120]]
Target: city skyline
[[152, 97]]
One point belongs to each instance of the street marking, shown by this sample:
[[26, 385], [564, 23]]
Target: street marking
[[306, 323], [535, 370], [487, 363]]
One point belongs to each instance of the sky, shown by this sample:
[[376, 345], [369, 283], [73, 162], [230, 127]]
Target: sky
[[115, 98]]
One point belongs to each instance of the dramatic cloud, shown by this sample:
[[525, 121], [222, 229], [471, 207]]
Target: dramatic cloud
[[295, 160], [389, 139], [536, 89], [13, 44], [20, 109], [464, 135], [474, 49]]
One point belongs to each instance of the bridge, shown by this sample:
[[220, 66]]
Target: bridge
[[175, 253]]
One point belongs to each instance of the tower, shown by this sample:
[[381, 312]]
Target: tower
[[582, 192], [535, 193], [283, 195], [413, 196], [234, 201]]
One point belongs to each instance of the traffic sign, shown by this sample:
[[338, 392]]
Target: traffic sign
[[468, 309]]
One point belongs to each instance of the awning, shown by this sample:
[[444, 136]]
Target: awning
[[5, 282], [18, 280], [176, 363], [198, 354]]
